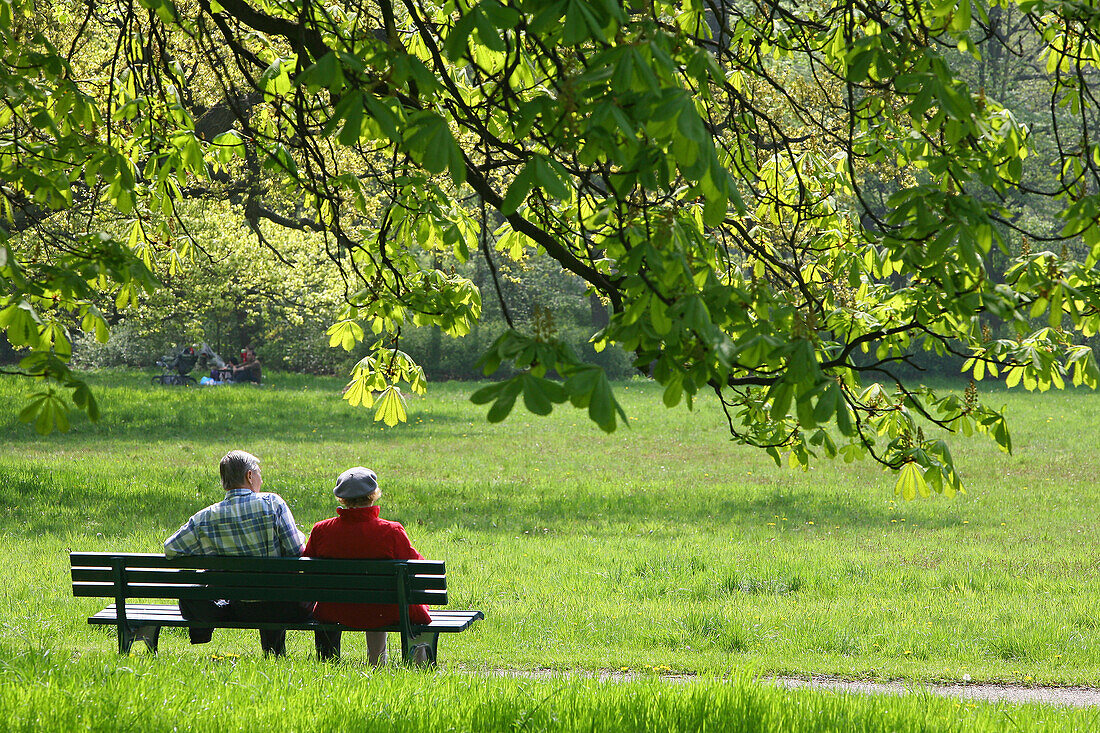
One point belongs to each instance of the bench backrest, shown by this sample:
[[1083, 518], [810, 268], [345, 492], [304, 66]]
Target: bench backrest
[[122, 576]]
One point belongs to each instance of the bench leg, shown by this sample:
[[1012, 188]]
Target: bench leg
[[127, 635], [150, 635], [125, 639], [428, 641]]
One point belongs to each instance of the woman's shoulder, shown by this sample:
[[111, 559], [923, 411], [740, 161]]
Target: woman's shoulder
[[392, 526], [325, 523]]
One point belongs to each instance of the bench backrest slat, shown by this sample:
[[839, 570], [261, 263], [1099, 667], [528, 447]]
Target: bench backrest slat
[[260, 564], [262, 580], [136, 591], [96, 575]]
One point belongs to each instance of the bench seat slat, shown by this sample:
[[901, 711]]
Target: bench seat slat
[[171, 617], [153, 614]]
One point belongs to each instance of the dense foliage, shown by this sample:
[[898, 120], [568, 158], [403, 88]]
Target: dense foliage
[[779, 201]]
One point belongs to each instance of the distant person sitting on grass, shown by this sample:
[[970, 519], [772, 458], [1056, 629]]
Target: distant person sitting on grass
[[358, 532], [249, 369], [247, 523]]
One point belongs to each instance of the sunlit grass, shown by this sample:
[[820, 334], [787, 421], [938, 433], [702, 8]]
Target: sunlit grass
[[664, 545], [204, 692]]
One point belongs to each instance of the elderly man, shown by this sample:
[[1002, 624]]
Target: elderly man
[[247, 522]]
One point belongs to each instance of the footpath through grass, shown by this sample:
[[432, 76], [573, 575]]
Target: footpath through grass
[[664, 547]]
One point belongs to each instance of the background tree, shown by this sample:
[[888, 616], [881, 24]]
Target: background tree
[[703, 168], [231, 294]]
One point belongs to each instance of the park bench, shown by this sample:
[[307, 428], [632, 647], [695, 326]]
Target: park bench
[[144, 576]]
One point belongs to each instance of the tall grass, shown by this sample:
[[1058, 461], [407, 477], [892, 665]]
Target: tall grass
[[661, 547], [204, 693]]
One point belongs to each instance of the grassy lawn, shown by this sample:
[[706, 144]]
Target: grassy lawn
[[664, 547]]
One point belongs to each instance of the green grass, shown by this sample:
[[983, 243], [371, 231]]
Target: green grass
[[664, 547], [197, 692]]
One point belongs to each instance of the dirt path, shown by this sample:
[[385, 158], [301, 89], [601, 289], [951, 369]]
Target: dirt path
[[1079, 697]]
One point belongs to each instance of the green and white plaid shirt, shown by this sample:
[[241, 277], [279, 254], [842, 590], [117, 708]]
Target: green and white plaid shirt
[[243, 524]]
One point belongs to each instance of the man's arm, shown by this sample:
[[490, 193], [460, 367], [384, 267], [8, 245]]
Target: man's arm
[[288, 537], [184, 542]]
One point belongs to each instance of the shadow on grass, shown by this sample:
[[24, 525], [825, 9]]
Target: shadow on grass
[[228, 413], [61, 503], [516, 509], [67, 500]]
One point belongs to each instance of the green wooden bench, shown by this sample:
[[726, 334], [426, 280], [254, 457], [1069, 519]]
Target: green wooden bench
[[144, 576]]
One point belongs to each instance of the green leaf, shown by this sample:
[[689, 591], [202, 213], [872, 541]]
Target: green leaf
[[517, 191], [352, 114], [430, 143], [506, 399], [658, 316], [714, 209], [22, 324], [345, 334], [910, 482], [326, 73], [674, 390], [780, 396], [386, 113], [844, 419], [549, 178], [487, 394], [358, 393], [827, 404], [601, 406], [458, 38], [391, 407], [1055, 318], [487, 32], [588, 387], [275, 81], [85, 400], [536, 394], [805, 409], [30, 410], [47, 411], [1001, 435], [960, 20]]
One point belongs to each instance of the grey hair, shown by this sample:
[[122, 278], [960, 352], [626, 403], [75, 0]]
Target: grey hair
[[361, 501], [235, 466]]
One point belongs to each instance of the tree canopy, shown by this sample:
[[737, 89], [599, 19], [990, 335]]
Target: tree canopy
[[779, 202]]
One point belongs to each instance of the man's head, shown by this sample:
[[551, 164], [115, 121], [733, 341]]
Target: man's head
[[357, 487], [240, 470]]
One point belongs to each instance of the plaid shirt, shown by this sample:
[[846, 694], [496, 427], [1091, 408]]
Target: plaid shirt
[[244, 524]]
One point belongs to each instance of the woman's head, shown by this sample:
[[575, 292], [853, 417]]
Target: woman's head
[[357, 487]]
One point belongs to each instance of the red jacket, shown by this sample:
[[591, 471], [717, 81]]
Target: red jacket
[[359, 533]]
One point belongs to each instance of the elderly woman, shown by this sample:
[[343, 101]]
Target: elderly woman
[[358, 532]]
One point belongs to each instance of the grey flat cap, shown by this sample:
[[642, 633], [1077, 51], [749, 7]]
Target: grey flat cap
[[356, 483]]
